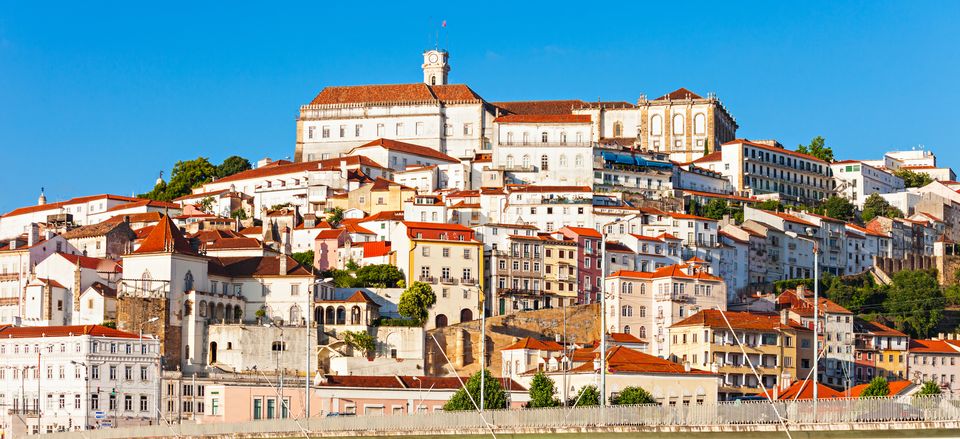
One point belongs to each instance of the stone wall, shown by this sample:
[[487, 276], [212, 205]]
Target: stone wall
[[133, 312], [461, 342]]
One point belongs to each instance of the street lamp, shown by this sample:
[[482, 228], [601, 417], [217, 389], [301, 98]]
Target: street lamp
[[816, 311], [603, 307], [283, 401]]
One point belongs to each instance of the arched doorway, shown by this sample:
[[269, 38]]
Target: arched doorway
[[341, 316], [440, 321], [330, 320], [466, 315], [355, 315], [213, 352]]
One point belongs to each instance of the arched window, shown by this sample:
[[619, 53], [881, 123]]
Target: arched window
[[526, 161], [294, 314], [626, 329], [643, 288], [677, 124], [623, 288], [626, 311], [202, 310], [643, 311], [617, 129], [188, 281], [543, 137], [700, 123], [146, 281], [355, 315], [656, 125], [187, 308], [509, 161], [466, 315], [629, 284], [440, 321], [563, 137], [643, 332], [433, 80], [544, 163], [341, 316], [509, 138], [563, 160], [578, 161]]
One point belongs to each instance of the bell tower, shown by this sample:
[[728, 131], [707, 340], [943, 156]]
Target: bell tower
[[435, 67]]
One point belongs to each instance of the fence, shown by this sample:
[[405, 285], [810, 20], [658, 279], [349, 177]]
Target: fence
[[742, 413]]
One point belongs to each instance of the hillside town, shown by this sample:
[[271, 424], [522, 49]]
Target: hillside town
[[422, 237]]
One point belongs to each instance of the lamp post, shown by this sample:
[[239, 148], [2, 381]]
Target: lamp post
[[283, 401], [816, 313], [416, 409], [483, 345], [603, 308]]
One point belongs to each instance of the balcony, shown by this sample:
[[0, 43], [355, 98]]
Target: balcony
[[9, 276], [520, 292], [9, 301], [673, 297], [428, 279], [448, 280], [468, 281], [550, 143]]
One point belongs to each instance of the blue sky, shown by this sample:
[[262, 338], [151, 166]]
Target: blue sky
[[100, 98]]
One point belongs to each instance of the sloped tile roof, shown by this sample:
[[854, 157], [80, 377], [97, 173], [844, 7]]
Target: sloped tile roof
[[165, 237]]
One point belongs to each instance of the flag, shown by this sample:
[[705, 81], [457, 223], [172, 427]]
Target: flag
[[444, 24]]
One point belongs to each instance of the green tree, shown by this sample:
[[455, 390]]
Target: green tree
[[206, 204], [352, 266], [543, 392], [915, 302], [839, 208], [361, 341], [773, 205], [632, 395], [913, 179], [493, 395], [380, 276], [185, 176], [856, 293], [239, 214], [877, 387], [304, 258], [715, 209], [818, 149], [586, 396], [335, 216], [232, 165], [952, 295], [416, 301], [929, 388], [875, 206]]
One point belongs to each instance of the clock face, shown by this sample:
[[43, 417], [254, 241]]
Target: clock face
[[433, 57]]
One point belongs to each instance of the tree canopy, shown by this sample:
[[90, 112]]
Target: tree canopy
[[877, 387], [586, 396], [361, 341], [839, 208], [335, 216], [304, 258], [913, 179], [929, 388], [875, 206], [818, 149], [232, 165], [379, 276], [632, 395], [493, 396], [416, 301], [915, 302], [543, 392]]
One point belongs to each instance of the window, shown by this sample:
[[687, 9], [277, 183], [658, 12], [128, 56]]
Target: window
[[257, 409], [143, 373], [618, 129], [294, 289], [113, 373], [143, 403], [544, 163], [467, 129], [128, 373], [95, 401], [325, 132], [419, 128], [656, 125], [95, 372], [466, 253], [127, 403]]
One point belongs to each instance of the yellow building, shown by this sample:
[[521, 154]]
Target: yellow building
[[379, 196], [881, 351], [560, 269], [780, 349]]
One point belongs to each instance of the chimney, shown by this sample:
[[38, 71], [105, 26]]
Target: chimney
[[801, 291], [283, 265], [785, 316], [126, 219], [33, 236], [343, 168], [686, 366], [285, 241]]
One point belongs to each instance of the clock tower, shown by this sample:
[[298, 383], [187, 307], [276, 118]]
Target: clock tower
[[435, 67]]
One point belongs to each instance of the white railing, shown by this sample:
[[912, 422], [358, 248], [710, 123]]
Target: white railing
[[830, 411]]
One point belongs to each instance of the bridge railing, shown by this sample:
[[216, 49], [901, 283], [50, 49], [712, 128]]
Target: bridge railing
[[829, 411]]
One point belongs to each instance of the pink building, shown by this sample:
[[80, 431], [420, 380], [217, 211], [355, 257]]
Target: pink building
[[361, 395], [326, 248]]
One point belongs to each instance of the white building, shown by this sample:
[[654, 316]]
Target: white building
[[87, 377], [18, 256], [917, 160], [542, 149], [856, 180], [80, 211]]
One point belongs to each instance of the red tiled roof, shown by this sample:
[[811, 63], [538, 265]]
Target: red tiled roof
[[876, 328], [62, 331], [530, 188], [866, 230], [281, 167], [165, 237], [933, 347], [72, 201], [51, 282], [353, 226], [583, 231], [145, 203], [540, 107], [256, 266], [680, 93], [534, 344], [543, 118], [255, 230], [360, 297], [382, 184], [384, 93], [715, 156], [385, 215], [85, 261], [234, 243], [621, 337], [407, 148], [330, 233], [142, 217], [790, 218], [804, 305], [721, 196], [374, 249], [405, 382], [625, 360], [804, 390], [773, 149], [896, 388], [739, 320], [667, 271]]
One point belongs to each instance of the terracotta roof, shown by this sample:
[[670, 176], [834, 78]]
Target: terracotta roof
[[385, 93], [165, 237], [543, 118], [933, 347], [804, 306], [739, 320], [407, 148], [876, 328], [360, 297], [104, 290], [804, 390], [51, 282], [774, 149], [72, 201], [353, 226], [534, 344], [215, 235], [617, 247], [234, 243], [680, 93], [715, 156], [143, 232], [540, 107], [867, 231], [145, 203], [255, 230], [142, 217], [530, 188], [256, 266], [405, 382], [85, 261], [385, 215], [281, 167], [621, 337], [330, 233], [62, 331], [374, 249], [92, 230], [790, 218], [896, 388], [625, 360], [382, 184], [583, 231], [721, 196]]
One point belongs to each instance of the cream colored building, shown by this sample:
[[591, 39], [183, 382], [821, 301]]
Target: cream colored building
[[684, 124], [779, 349], [379, 196]]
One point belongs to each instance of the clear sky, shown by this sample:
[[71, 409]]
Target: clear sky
[[100, 98]]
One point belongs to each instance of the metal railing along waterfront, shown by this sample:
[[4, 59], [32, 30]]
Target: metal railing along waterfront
[[739, 413]]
